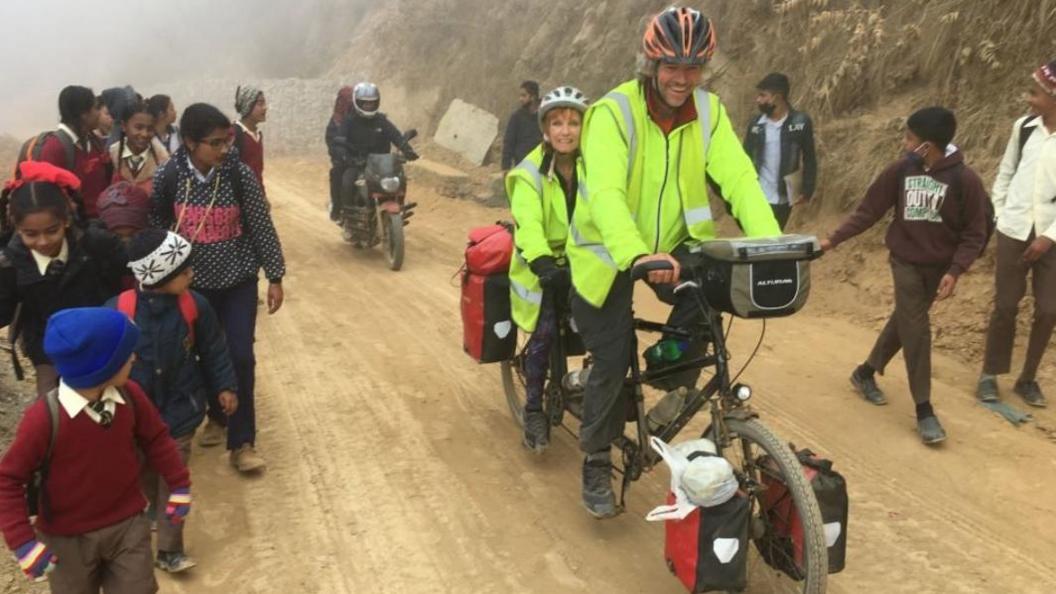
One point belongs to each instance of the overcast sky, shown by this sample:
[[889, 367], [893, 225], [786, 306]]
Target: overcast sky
[[48, 44]]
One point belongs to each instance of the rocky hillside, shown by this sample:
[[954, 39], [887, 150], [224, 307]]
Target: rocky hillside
[[858, 66]]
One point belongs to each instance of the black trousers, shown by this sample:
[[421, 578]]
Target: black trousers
[[608, 333], [782, 212]]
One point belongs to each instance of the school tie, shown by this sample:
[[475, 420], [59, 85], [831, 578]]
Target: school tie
[[135, 164], [55, 268], [105, 416]]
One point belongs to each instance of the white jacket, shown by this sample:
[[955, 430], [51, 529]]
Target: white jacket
[[1024, 196]]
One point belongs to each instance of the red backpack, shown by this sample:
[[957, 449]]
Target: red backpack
[[126, 304]]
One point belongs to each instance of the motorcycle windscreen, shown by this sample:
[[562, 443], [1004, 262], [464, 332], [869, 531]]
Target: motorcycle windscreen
[[382, 165]]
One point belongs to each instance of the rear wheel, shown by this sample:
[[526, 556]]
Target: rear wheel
[[760, 459], [393, 240], [514, 383]]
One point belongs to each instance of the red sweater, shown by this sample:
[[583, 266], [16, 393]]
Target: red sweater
[[93, 479], [252, 154], [90, 166]]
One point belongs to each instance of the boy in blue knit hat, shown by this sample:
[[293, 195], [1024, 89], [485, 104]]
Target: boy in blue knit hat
[[80, 442]]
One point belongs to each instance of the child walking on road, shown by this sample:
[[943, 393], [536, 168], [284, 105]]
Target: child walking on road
[[83, 438], [1025, 203], [180, 357], [939, 229], [51, 263]]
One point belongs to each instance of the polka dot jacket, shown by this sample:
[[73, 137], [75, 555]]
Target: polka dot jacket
[[233, 236]]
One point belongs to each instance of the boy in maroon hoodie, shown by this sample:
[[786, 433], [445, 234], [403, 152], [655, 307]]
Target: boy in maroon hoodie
[[80, 441], [939, 229]]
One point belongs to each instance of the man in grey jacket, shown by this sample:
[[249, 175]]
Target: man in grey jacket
[[780, 141]]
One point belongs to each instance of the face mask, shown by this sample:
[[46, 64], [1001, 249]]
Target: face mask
[[767, 108], [917, 155]]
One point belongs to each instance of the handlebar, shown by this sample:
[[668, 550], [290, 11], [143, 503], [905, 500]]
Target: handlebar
[[641, 271]]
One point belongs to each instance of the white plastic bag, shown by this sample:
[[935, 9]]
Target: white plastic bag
[[705, 481]]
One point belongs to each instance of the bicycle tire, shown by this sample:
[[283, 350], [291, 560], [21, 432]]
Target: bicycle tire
[[513, 386], [815, 566]]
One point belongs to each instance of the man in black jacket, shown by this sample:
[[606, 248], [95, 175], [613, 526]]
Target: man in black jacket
[[365, 131], [780, 141], [522, 131]]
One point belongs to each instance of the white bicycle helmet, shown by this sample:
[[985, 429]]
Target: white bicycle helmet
[[366, 99], [562, 97]]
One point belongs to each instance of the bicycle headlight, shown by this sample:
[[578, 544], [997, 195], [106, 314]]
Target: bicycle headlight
[[743, 392], [390, 184]]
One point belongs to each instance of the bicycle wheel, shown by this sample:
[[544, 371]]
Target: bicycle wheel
[[761, 459], [513, 381]]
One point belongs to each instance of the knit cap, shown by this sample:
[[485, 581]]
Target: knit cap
[[156, 256], [245, 98], [1045, 76], [124, 204], [89, 345]]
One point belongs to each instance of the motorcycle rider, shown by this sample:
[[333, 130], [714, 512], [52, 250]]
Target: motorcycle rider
[[650, 147], [542, 191], [365, 131]]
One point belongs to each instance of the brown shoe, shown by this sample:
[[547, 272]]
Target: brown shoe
[[245, 459], [212, 435]]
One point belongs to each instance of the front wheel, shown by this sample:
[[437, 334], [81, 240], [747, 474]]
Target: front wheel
[[394, 240], [776, 563]]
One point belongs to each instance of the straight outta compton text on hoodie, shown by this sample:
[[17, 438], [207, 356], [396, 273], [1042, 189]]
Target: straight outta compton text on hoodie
[[940, 214]]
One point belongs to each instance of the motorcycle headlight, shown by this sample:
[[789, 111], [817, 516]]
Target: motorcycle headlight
[[390, 184]]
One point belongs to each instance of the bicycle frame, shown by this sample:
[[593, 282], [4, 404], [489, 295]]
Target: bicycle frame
[[636, 458]]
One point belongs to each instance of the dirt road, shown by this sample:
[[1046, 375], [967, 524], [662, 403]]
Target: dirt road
[[394, 465]]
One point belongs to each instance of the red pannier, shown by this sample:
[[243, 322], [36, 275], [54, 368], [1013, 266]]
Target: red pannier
[[708, 549], [488, 332], [782, 548]]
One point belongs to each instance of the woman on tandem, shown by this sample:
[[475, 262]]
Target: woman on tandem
[[542, 191]]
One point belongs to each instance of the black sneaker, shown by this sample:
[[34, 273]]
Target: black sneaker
[[536, 431], [1031, 393], [867, 387], [598, 496], [931, 431], [986, 390], [174, 562]]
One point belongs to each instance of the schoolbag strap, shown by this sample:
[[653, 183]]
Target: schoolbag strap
[[1025, 130], [51, 400], [189, 312], [126, 303]]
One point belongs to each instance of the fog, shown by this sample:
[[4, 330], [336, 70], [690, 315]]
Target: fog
[[48, 44]]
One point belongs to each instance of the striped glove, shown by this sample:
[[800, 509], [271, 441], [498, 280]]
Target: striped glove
[[179, 505], [35, 560]]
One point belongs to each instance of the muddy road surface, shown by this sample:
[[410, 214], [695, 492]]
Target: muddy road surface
[[394, 465]]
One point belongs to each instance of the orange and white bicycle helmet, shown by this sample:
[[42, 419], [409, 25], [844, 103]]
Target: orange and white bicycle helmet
[[679, 35]]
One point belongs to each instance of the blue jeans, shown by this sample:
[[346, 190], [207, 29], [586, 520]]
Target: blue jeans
[[236, 307], [537, 355]]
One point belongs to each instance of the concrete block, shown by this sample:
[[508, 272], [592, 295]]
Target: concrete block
[[468, 130]]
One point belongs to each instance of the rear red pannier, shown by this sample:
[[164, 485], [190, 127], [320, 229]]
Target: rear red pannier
[[488, 332]]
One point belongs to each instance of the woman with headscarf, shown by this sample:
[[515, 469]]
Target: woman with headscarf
[[342, 106], [252, 111]]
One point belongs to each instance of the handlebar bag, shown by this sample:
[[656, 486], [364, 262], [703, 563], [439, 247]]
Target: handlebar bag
[[757, 278]]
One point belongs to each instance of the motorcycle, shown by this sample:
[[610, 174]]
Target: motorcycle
[[376, 213]]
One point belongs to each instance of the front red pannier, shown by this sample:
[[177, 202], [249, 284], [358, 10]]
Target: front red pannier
[[708, 549], [488, 332]]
